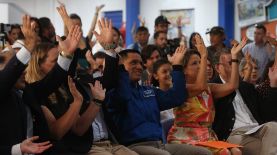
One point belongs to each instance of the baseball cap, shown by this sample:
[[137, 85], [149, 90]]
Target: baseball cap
[[161, 20], [216, 30]]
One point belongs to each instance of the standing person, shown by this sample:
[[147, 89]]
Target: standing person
[[161, 42], [217, 38], [260, 49], [134, 110], [141, 37], [161, 24]]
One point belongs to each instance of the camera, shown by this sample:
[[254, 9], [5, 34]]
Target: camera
[[4, 30]]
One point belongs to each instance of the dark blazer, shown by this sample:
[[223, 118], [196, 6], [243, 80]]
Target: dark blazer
[[12, 112], [224, 109]]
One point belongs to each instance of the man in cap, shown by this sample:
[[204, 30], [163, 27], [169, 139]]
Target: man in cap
[[217, 37], [161, 24]]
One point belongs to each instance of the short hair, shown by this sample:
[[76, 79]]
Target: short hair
[[75, 16], [188, 54], [191, 46], [156, 67], [142, 29], [117, 31], [124, 53], [156, 34], [147, 51], [260, 26], [99, 54], [218, 55], [14, 26]]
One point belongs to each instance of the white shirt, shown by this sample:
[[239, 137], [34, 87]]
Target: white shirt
[[100, 131], [243, 115]]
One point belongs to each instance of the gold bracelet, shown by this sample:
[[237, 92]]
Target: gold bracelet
[[69, 56]]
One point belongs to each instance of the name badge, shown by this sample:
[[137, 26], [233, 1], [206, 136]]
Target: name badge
[[148, 93]]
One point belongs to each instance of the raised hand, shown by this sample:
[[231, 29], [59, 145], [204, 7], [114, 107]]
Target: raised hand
[[141, 20], [71, 42], [64, 15], [200, 46], [91, 61], [97, 91], [179, 21], [105, 37], [272, 74], [237, 47], [29, 147], [28, 30], [74, 91], [234, 42], [98, 8], [178, 56]]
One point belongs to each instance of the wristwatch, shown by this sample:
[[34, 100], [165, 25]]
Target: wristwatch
[[98, 102], [69, 56], [235, 60], [109, 46]]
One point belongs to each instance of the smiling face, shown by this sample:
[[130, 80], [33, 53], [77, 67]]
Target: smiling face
[[153, 58], [163, 75], [133, 64]]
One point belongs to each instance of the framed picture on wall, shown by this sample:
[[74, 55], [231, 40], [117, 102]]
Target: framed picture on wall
[[251, 12], [187, 20]]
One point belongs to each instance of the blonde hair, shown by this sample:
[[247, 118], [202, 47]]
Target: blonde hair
[[33, 71]]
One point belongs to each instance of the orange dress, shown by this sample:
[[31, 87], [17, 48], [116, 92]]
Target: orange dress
[[193, 120]]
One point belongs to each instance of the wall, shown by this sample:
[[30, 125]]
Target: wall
[[85, 8], [206, 12]]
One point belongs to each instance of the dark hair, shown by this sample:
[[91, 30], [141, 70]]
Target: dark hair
[[156, 34], [217, 55], [191, 46], [188, 54], [14, 26], [100, 55], [44, 23], [124, 53], [117, 31], [35, 19], [147, 52], [75, 16], [156, 67], [142, 29], [260, 26]]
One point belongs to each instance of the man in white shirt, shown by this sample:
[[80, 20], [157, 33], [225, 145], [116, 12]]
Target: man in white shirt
[[239, 115]]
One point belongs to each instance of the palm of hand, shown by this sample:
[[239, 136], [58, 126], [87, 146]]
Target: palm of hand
[[69, 45], [99, 93], [272, 74]]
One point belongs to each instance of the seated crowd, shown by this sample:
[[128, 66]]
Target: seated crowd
[[157, 97]]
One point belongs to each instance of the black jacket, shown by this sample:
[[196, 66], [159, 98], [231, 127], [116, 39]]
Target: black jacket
[[225, 113], [12, 112]]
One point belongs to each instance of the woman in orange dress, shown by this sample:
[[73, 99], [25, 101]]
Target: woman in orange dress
[[193, 119]]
